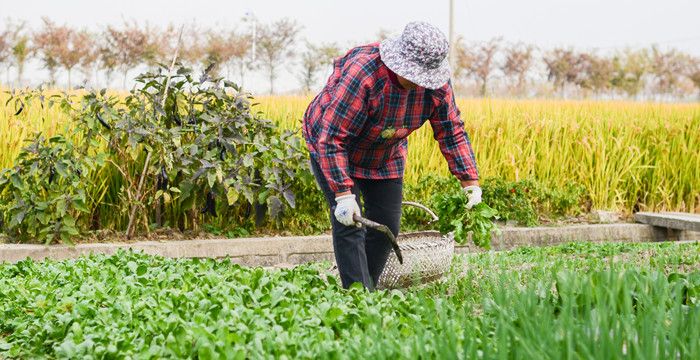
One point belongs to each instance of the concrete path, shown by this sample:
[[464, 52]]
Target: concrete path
[[670, 220], [282, 251]]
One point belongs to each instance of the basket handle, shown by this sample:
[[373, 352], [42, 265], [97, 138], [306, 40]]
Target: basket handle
[[422, 207]]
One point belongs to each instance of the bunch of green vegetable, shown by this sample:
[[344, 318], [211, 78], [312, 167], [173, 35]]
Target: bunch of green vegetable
[[462, 222]]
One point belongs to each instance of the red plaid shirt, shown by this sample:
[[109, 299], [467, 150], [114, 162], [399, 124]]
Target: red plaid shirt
[[356, 127]]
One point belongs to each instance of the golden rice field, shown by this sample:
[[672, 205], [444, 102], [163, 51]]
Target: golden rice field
[[624, 153]]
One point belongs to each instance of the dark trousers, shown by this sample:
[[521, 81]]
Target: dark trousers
[[362, 253]]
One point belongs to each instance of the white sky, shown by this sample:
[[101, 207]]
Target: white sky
[[589, 24]]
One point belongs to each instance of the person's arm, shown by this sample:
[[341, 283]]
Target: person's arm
[[342, 119], [448, 130]]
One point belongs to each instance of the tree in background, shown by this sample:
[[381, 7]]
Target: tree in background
[[125, 48], [90, 62], [158, 47], [629, 68], [561, 67], [62, 46], [107, 60], [313, 60], [667, 68], [669, 74], [21, 48], [478, 62], [227, 49], [192, 47], [518, 62], [47, 42], [694, 74], [5, 51], [593, 73], [216, 51], [79, 45], [275, 44], [241, 44]]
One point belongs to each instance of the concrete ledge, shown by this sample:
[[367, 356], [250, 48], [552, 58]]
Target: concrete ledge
[[300, 249], [672, 220]]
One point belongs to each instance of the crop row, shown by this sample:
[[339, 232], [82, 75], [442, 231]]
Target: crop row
[[571, 301]]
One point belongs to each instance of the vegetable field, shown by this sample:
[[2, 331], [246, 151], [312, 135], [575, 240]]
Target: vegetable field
[[610, 301]]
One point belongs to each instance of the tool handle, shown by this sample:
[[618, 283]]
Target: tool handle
[[383, 229]]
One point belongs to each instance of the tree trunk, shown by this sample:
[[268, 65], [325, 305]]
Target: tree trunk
[[20, 70], [272, 80], [52, 77], [521, 86], [69, 84], [241, 67], [124, 80], [482, 90], [108, 78]]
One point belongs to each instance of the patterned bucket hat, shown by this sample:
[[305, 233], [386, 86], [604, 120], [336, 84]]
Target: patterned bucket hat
[[419, 55]]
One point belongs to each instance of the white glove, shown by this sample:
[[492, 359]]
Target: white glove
[[473, 194], [345, 208]]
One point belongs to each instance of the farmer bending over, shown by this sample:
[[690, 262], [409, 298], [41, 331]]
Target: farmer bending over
[[356, 130]]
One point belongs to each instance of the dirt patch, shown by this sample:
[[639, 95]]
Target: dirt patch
[[162, 235]]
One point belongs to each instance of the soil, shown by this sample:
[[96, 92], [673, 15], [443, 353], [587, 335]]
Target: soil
[[103, 236]]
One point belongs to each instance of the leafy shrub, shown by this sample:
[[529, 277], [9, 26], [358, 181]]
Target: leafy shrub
[[43, 195], [180, 150], [512, 200], [557, 202], [526, 201]]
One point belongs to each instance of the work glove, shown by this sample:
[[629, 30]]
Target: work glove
[[345, 208], [473, 194]]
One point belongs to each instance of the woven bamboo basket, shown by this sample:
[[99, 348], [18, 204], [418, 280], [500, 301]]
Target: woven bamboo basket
[[427, 256], [418, 257]]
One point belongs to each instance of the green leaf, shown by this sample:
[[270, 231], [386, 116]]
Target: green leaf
[[16, 181], [80, 206], [232, 195], [211, 179], [141, 269]]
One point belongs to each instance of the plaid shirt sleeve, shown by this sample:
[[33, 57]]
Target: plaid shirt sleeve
[[448, 130], [342, 120]]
